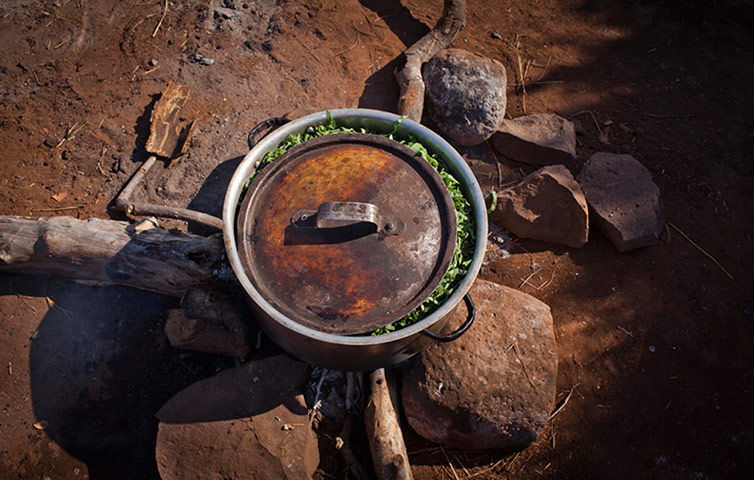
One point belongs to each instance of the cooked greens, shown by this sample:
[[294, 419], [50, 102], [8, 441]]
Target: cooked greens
[[464, 248]]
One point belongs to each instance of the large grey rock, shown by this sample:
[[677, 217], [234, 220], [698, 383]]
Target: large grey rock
[[493, 388], [625, 202], [246, 422], [465, 95], [540, 139], [546, 205]]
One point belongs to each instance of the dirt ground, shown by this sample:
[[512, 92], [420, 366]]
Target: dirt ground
[[656, 346]]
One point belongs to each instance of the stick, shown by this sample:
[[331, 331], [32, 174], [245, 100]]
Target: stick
[[497, 164], [452, 468], [523, 367], [351, 47], [594, 119], [552, 276], [409, 77], [384, 430], [529, 277], [701, 250], [562, 405], [521, 73], [125, 203], [58, 209], [486, 470], [164, 12]]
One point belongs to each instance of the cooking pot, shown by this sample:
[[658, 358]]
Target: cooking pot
[[326, 339]]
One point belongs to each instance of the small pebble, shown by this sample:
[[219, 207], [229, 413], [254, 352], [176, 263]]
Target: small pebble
[[496, 35], [652, 349], [206, 61], [153, 62]]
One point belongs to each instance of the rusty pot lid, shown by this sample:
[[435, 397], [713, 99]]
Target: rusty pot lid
[[347, 233]]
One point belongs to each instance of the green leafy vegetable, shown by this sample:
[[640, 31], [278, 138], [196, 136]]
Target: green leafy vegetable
[[463, 252], [493, 202]]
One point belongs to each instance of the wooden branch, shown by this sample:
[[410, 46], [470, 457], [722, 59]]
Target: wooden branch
[[124, 201], [411, 102], [384, 430], [104, 252]]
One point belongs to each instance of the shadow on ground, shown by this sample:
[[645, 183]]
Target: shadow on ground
[[100, 367]]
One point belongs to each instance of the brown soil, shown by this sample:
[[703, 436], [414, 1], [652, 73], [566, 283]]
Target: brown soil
[[656, 345]]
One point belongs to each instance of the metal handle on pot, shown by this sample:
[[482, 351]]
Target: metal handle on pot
[[453, 336], [269, 125], [341, 214]]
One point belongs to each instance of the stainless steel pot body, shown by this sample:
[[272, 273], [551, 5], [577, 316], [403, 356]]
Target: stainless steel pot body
[[354, 353]]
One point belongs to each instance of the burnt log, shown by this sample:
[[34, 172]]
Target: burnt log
[[210, 321], [107, 252]]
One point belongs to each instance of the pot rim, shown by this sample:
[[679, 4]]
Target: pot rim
[[377, 120]]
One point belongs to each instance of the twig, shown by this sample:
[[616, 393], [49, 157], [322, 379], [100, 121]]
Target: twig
[[465, 470], [529, 278], [164, 12], [497, 164], [58, 209], [70, 133], [521, 80], [523, 367], [61, 44], [562, 405], [552, 276], [452, 468], [52, 305], [20, 297], [488, 469], [425, 450], [701, 250], [359, 31], [349, 48], [99, 162], [509, 462], [596, 123], [622, 329], [544, 71]]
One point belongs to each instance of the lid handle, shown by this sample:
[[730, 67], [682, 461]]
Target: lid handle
[[342, 214]]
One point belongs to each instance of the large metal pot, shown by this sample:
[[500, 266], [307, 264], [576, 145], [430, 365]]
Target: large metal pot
[[332, 350]]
